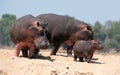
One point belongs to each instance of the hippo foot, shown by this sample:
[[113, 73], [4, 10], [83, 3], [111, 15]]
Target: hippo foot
[[36, 56], [89, 61], [81, 61], [23, 56], [31, 57]]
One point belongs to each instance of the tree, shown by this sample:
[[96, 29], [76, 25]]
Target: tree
[[109, 34], [113, 33], [99, 31], [5, 23]]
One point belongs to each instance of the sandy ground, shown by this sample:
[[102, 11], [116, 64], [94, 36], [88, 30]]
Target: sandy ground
[[57, 65]]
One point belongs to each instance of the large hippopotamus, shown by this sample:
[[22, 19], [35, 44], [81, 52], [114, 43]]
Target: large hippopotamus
[[28, 33], [64, 29], [85, 49]]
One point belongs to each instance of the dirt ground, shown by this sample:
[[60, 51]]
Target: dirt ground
[[103, 64]]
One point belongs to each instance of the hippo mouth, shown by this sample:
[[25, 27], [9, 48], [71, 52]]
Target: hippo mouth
[[41, 43]]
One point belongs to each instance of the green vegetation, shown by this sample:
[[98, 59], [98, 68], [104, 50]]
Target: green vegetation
[[108, 34], [5, 23]]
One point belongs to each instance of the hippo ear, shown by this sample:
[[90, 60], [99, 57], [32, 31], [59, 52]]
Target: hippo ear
[[35, 23]]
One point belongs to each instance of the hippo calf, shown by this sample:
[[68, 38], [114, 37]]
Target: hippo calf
[[85, 49], [83, 35]]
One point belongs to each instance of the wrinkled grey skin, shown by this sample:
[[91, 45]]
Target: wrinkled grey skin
[[64, 28], [85, 49]]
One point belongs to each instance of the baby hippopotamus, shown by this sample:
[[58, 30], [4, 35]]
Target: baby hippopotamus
[[85, 49]]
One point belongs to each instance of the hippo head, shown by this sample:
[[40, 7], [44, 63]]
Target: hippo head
[[88, 30], [97, 45], [91, 33], [83, 35], [40, 38]]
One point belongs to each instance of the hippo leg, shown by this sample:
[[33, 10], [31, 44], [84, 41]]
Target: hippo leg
[[81, 59], [17, 50], [25, 52], [69, 51], [36, 52], [75, 57], [54, 51], [31, 50], [88, 59]]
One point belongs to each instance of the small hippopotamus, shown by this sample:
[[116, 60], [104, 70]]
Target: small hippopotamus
[[82, 35], [85, 49]]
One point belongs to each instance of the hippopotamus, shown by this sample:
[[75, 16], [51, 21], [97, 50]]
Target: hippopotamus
[[28, 33], [64, 29], [84, 49]]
